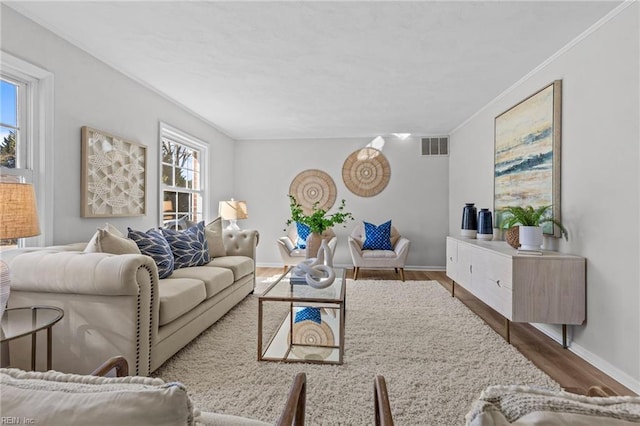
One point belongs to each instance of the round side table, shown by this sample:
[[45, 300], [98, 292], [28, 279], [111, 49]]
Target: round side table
[[20, 322]]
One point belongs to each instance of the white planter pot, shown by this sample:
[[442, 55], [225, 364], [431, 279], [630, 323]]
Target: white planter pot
[[530, 237]]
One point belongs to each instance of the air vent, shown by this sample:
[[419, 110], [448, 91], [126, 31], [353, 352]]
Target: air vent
[[437, 145]]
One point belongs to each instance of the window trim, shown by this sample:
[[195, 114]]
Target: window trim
[[177, 135], [39, 129]]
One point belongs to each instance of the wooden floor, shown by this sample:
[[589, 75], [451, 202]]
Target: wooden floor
[[570, 371]]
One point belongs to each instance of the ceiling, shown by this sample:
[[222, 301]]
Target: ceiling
[[282, 70]]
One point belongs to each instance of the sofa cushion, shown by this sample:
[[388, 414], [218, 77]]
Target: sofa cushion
[[189, 247], [68, 399], [110, 240], [503, 405], [378, 254], [241, 266], [303, 233], [178, 296], [377, 237], [213, 231], [215, 279], [153, 244]]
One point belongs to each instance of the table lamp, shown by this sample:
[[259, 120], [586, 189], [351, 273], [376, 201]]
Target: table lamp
[[18, 219], [232, 211]]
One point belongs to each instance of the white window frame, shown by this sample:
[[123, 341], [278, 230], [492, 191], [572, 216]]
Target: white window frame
[[37, 137], [169, 132]]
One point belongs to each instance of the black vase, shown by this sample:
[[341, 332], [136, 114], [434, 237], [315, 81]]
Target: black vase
[[469, 227], [485, 225]]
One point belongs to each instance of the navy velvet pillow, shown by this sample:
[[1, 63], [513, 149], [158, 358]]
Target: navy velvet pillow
[[303, 234], [377, 237], [152, 243], [189, 247]]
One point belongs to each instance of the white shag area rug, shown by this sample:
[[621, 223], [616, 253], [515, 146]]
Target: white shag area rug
[[436, 356]]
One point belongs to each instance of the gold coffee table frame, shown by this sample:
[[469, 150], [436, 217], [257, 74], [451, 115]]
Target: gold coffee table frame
[[331, 300]]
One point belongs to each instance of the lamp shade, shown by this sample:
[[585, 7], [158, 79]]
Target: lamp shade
[[232, 210], [18, 214]]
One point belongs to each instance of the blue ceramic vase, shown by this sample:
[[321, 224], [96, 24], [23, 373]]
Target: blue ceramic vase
[[469, 228], [485, 225]]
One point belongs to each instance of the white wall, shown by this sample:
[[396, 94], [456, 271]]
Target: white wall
[[415, 198], [89, 92], [600, 182]]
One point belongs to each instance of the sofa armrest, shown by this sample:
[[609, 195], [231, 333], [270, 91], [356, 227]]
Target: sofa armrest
[[402, 247], [119, 363], [382, 408], [355, 247], [294, 408], [242, 242], [75, 272], [110, 302]]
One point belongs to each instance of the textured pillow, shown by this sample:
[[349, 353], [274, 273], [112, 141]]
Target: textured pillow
[[213, 231], [377, 237], [68, 399], [152, 243], [303, 234], [189, 247], [110, 240]]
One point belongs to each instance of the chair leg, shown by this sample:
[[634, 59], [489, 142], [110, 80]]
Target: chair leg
[[402, 274], [355, 272], [285, 269], [396, 269]]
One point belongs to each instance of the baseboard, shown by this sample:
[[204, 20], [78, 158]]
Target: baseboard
[[350, 266], [601, 364]]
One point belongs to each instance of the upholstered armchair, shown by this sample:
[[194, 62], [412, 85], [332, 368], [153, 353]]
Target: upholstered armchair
[[289, 252], [378, 259]]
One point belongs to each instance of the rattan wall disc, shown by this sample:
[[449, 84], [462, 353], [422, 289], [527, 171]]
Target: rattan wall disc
[[366, 172], [311, 186], [311, 333]]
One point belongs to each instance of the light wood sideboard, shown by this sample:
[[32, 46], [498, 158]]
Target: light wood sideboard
[[546, 289]]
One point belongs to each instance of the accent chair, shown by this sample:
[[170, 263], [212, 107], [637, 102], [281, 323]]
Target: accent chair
[[290, 253], [378, 259]]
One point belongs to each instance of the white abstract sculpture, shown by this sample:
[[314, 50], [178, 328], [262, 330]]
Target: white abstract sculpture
[[318, 272]]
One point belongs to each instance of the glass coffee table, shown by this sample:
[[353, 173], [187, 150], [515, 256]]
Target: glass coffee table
[[19, 322], [304, 324]]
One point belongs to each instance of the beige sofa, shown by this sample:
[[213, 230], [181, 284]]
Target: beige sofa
[[117, 305]]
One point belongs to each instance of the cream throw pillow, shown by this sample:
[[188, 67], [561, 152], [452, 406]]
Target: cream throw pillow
[[213, 232], [55, 398], [110, 240]]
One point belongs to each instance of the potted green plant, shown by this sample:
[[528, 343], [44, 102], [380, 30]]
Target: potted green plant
[[530, 223], [318, 222]]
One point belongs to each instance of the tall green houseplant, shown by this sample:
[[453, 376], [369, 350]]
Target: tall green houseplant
[[318, 221]]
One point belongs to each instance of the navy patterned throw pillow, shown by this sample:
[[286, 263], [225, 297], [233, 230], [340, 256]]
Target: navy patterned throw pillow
[[189, 247], [303, 234], [152, 243], [377, 237]]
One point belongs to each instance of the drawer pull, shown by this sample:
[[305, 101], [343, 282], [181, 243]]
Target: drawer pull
[[450, 258], [498, 282], [471, 269]]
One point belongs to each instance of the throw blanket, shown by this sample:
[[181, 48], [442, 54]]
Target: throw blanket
[[527, 406]]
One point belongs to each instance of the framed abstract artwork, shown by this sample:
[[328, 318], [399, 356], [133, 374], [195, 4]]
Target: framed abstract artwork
[[527, 154], [113, 175]]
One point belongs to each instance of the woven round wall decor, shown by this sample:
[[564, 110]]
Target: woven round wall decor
[[311, 333], [366, 172], [311, 186]]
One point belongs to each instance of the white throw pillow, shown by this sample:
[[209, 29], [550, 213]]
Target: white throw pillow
[[213, 231], [110, 240], [55, 398]]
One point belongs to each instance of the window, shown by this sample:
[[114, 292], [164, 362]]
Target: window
[[183, 166], [12, 118], [26, 131]]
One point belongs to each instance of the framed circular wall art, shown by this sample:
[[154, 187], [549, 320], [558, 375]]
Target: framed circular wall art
[[366, 172], [313, 186]]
